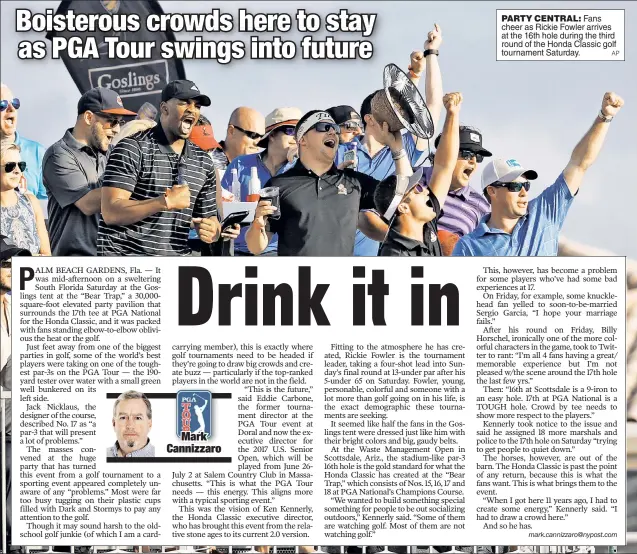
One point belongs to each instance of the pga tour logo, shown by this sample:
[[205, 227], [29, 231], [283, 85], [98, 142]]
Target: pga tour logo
[[134, 79], [194, 414]]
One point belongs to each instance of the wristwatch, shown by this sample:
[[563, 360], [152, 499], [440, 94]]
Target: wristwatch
[[431, 51], [604, 118]]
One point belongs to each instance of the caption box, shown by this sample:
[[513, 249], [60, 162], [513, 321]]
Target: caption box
[[585, 35]]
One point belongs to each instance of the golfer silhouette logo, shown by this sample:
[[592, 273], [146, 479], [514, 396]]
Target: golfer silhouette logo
[[194, 414]]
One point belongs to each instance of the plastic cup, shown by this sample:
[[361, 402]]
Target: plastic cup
[[271, 194], [147, 111]]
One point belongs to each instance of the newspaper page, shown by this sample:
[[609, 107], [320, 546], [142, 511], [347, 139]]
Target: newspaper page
[[298, 394], [471, 405]]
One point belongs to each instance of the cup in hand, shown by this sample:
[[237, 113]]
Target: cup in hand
[[147, 111], [271, 194]]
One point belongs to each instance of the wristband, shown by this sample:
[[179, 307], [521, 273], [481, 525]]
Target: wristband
[[398, 155], [604, 118], [431, 51]]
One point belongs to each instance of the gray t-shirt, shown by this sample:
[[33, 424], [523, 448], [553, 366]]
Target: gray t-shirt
[[70, 170]]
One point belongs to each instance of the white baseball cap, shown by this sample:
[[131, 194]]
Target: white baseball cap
[[504, 171]]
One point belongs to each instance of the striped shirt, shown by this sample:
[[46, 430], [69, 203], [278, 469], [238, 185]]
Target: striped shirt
[[146, 166], [219, 158], [464, 208]]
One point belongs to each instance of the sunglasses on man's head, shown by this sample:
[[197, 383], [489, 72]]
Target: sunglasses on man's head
[[350, 125], [513, 187], [469, 154], [4, 104], [10, 166], [325, 126], [250, 134]]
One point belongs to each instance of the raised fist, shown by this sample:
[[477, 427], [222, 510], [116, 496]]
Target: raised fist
[[417, 63], [177, 197], [452, 101], [611, 104], [434, 38]]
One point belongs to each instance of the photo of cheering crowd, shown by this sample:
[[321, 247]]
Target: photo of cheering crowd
[[417, 152]]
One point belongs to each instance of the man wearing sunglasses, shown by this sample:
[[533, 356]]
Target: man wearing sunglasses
[[246, 128], [277, 142], [319, 203], [72, 169], [464, 207], [411, 208], [518, 226], [31, 151], [157, 183], [349, 121]]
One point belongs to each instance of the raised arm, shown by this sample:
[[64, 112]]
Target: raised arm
[[433, 77], [588, 148], [257, 238], [447, 153], [370, 223]]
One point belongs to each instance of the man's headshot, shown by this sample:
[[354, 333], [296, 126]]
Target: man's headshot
[[132, 421]]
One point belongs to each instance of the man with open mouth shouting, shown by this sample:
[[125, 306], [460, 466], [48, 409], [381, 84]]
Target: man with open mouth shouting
[[319, 204], [411, 208], [157, 183], [519, 227]]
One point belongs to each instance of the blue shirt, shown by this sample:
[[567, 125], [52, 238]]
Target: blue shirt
[[244, 165], [535, 234], [379, 167], [32, 153]]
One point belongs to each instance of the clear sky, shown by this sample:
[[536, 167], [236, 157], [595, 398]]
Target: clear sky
[[533, 111]]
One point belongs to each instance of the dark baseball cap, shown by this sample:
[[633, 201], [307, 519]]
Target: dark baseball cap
[[341, 114], [8, 249], [470, 139], [101, 99], [184, 90]]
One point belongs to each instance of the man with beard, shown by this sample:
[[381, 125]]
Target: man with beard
[[72, 171], [32, 151], [319, 203], [157, 183], [132, 421], [519, 227]]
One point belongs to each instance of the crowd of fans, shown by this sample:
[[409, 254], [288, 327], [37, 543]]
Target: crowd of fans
[[345, 184], [345, 181]]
